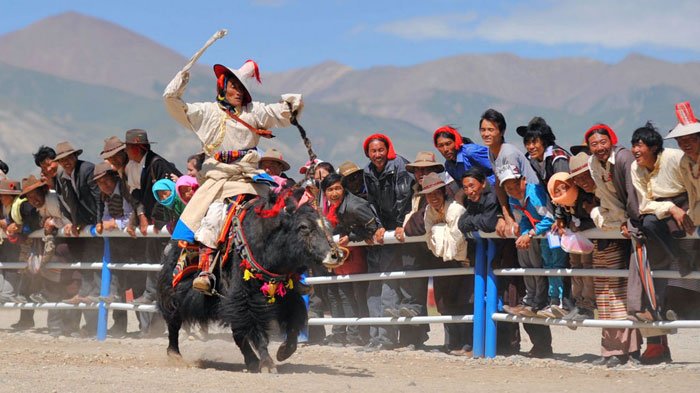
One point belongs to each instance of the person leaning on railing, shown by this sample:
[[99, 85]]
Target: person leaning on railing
[[481, 214], [446, 242], [389, 191], [354, 221], [504, 157]]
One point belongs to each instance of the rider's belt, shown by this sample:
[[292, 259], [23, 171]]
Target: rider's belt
[[229, 156]]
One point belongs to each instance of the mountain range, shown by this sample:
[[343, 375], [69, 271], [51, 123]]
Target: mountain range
[[78, 78]]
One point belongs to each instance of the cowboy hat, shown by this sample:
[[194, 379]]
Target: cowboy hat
[[112, 146], [30, 184], [347, 168], [687, 123], [431, 182], [101, 170], [137, 136], [424, 159], [276, 156], [64, 149], [9, 187], [578, 164]]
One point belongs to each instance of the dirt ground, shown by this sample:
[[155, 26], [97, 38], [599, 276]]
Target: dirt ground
[[35, 362]]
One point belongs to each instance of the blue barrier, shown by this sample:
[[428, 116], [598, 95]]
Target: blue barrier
[[104, 292], [478, 345], [491, 301]]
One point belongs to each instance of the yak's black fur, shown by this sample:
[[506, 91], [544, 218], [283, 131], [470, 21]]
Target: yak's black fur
[[283, 244]]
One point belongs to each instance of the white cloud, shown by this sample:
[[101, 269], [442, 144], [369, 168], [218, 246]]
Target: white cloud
[[433, 27], [611, 24]]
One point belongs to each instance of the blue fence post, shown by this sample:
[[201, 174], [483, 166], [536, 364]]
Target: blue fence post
[[491, 301], [304, 332], [479, 293], [104, 293]]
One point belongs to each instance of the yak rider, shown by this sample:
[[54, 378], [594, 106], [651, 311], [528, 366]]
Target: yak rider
[[229, 129]]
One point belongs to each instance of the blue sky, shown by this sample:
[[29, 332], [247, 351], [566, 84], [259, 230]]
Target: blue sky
[[287, 34]]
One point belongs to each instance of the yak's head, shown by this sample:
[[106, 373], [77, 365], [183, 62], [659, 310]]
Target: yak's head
[[286, 234]]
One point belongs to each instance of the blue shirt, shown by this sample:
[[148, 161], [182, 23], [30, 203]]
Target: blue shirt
[[471, 155], [536, 205]]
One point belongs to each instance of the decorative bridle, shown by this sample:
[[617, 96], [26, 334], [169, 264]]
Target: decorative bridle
[[339, 252]]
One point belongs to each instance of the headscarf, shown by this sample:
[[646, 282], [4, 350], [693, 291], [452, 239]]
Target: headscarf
[[186, 181], [449, 130], [569, 197], [391, 154], [165, 185], [601, 126]]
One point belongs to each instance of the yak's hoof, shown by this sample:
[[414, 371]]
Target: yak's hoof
[[174, 353], [268, 366], [285, 351]]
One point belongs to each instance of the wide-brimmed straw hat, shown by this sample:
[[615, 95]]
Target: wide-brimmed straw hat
[[10, 187], [578, 164], [30, 184], [137, 136], [431, 182], [112, 146], [424, 159], [64, 149], [101, 170], [687, 123], [347, 168], [276, 156]]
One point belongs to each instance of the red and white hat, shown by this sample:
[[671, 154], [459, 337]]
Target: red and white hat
[[249, 70], [687, 123]]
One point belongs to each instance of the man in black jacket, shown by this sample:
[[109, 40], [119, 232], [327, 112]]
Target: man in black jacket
[[389, 190], [149, 167], [80, 199]]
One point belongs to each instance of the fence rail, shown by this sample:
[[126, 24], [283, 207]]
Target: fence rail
[[485, 289]]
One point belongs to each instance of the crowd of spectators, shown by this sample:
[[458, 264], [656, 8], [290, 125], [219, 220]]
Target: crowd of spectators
[[534, 201]]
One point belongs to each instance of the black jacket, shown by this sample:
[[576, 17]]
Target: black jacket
[[356, 218], [155, 168], [390, 191], [82, 206], [482, 215]]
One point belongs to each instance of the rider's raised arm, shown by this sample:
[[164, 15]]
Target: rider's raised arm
[[279, 114], [189, 116]]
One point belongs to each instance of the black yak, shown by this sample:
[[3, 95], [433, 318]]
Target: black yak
[[256, 285]]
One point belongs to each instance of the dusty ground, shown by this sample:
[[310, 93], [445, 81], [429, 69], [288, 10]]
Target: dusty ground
[[34, 362]]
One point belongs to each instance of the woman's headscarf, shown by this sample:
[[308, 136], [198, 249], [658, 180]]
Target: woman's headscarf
[[165, 185], [186, 181], [569, 198], [391, 154], [449, 130]]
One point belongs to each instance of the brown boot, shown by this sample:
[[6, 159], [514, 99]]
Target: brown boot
[[204, 281]]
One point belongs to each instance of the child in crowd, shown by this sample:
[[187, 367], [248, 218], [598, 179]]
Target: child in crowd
[[185, 187], [529, 200], [572, 215], [166, 194]]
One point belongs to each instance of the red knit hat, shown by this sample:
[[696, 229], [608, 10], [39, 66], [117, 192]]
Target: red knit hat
[[601, 126], [391, 154], [449, 130]]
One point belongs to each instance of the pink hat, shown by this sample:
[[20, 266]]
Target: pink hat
[[185, 181], [306, 166]]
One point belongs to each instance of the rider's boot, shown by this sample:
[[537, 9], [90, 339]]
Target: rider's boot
[[204, 281]]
